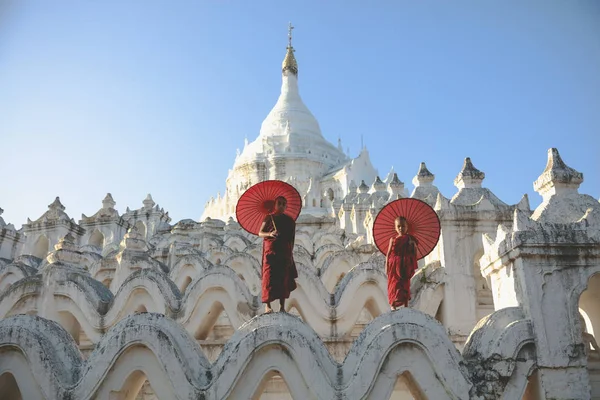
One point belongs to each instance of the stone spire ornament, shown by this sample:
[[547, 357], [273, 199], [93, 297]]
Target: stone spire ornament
[[469, 176], [424, 177], [108, 202], [133, 240], [557, 176], [562, 203], [56, 205], [363, 188], [67, 242], [378, 185], [396, 186], [424, 188], [148, 202], [66, 251]]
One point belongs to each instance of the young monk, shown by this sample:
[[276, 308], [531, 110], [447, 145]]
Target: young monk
[[401, 264], [278, 267]]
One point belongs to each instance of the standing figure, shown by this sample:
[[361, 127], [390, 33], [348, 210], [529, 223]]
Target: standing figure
[[278, 267], [401, 264]]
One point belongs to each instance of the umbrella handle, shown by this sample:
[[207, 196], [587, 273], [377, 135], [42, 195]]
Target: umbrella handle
[[273, 221]]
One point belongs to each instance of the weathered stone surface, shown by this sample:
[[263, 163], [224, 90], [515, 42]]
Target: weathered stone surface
[[277, 341]]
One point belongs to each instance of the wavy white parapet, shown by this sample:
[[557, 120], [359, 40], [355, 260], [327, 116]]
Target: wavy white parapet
[[64, 290], [171, 360]]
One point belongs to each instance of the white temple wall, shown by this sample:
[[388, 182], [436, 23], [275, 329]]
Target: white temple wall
[[111, 234], [33, 240], [503, 283], [10, 243], [459, 306]]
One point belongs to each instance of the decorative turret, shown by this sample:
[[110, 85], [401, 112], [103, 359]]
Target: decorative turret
[[42, 234], [379, 195], [56, 205], [56, 212], [66, 251], [148, 202], [106, 212], [134, 240], [108, 202], [66, 243], [424, 188], [469, 176], [133, 255], [424, 177], [232, 225], [396, 187], [363, 193], [378, 185], [562, 203], [557, 177], [363, 188], [470, 192], [149, 219], [312, 197], [104, 228]]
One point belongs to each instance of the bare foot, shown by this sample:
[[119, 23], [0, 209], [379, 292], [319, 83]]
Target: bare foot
[[268, 310], [393, 308]]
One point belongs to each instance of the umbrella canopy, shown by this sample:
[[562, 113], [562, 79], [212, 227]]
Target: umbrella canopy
[[423, 224], [259, 201]]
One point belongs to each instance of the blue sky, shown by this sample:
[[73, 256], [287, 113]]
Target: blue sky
[[134, 97]]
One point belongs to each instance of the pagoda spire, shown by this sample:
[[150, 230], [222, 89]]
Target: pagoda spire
[[289, 62]]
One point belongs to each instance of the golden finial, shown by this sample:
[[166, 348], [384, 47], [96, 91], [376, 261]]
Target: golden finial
[[289, 62]]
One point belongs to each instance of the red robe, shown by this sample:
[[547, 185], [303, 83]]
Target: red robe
[[401, 266], [278, 267]]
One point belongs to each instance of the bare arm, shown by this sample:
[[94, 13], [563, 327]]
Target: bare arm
[[266, 234], [389, 250]]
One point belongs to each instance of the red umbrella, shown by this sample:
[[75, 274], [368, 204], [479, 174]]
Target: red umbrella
[[259, 201], [423, 224]]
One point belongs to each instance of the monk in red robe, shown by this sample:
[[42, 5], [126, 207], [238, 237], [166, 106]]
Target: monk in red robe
[[278, 267], [401, 264]]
